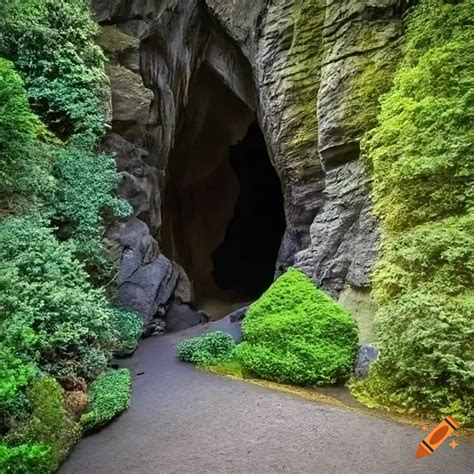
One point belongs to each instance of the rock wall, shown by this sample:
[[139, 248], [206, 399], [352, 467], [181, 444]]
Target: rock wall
[[312, 70]]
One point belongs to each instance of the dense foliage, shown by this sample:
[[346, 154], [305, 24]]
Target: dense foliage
[[296, 333], [23, 458], [24, 163], [52, 45], [421, 154], [208, 349], [47, 423], [110, 396], [57, 327], [80, 214], [49, 311]]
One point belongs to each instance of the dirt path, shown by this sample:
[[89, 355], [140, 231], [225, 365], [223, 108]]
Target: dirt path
[[183, 420]]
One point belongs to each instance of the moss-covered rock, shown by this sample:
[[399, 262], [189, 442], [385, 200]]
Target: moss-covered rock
[[421, 156], [296, 333]]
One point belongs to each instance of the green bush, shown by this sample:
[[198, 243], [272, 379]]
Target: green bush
[[52, 44], [47, 423], [421, 157], [24, 163], [23, 459], [15, 375], [46, 292], [110, 395], [296, 333], [208, 349], [129, 328], [86, 182]]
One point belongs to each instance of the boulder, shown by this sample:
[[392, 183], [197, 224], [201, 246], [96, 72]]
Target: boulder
[[147, 280], [238, 315], [366, 356], [181, 316]]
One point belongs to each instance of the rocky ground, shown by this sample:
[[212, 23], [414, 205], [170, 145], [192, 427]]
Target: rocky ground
[[183, 420]]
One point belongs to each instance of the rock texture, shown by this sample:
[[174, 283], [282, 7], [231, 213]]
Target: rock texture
[[311, 70], [147, 281]]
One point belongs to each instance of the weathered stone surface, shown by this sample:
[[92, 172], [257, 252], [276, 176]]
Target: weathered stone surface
[[179, 317], [146, 289], [140, 180], [131, 100], [366, 356], [343, 234], [313, 71], [238, 315]]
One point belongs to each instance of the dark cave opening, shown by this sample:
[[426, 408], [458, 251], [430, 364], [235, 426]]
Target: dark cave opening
[[223, 214], [245, 260]]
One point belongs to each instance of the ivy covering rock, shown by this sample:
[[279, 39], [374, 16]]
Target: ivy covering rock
[[58, 329]]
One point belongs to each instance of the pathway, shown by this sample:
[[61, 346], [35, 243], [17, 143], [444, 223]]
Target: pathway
[[183, 420]]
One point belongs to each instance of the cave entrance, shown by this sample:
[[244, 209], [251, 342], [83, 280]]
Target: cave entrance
[[223, 212]]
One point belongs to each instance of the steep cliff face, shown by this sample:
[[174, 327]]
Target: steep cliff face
[[311, 71]]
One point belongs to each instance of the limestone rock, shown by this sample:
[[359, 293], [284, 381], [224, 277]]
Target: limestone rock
[[131, 100], [146, 289], [312, 71], [140, 184]]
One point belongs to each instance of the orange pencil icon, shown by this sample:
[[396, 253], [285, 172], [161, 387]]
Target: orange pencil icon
[[437, 437]]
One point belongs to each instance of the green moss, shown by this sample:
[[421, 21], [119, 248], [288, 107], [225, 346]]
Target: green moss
[[295, 333], [421, 157], [304, 59], [114, 42], [374, 80], [110, 395], [231, 367]]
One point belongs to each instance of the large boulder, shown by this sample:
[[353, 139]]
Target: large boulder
[[146, 279]]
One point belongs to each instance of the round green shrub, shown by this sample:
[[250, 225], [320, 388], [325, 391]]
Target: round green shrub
[[208, 349], [296, 333], [110, 395]]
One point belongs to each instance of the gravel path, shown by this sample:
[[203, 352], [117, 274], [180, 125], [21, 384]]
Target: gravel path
[[183, 420]]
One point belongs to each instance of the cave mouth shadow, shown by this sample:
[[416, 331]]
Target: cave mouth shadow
[[222, 210], [245, 261]]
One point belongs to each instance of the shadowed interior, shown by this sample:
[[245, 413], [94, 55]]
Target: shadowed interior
[[223, 217]]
